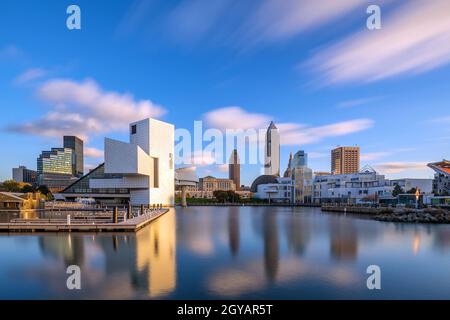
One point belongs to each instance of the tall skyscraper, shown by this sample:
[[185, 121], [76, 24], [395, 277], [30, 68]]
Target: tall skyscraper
[[234, 169], [76, 144], [345, 160], [272, 151]]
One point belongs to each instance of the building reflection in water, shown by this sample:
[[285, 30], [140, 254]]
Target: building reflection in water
[[156, 255], [298, 233], [233, 230], [271, 244], [343, 239], [147, 257], [68, 247]]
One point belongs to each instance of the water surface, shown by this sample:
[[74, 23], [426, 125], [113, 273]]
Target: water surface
[[233, 253]]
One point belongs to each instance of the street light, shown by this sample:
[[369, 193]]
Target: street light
[[417, 197]]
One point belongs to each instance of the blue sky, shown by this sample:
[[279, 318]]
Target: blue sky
[[311, 66]]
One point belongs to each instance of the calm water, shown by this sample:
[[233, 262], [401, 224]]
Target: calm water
[[231, 253]]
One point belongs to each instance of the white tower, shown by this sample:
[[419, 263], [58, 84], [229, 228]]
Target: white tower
[[272, 151]]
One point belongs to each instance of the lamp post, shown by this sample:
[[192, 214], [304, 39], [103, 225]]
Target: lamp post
[[417, 197]]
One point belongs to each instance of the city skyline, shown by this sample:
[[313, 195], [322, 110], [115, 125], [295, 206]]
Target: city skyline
[[399, 119]]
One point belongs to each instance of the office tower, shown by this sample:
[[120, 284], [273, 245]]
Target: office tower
[[234, 169], [345, 160], [54, 168], [22, 174], [272, 151], [300, 159], [76, 144]]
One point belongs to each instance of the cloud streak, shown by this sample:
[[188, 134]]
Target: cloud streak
[[291, 133], [415, 38], [83, 108]]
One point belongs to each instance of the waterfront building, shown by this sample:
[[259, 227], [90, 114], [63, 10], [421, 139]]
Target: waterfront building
[[54, 169], [81, 189], [76, 145], [273, 189], [212, 184], [22, 174], [234, 169], [301, 176], [20, 201], [441, 182], [345, 160], [364, 186], [145, 164], [302, 181], [272, 151], [425, 185]]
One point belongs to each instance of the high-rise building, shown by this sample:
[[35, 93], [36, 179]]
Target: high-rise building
[[76, 144], [345, 160], [54, 168], [300, 159], [22, 174], [272, 151], [234, 169]]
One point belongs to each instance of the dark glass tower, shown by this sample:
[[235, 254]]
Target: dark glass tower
[[76, 144]]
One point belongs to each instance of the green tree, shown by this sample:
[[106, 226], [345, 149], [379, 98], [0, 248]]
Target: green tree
[[11, 186], [28, 188], [411, 191], [397, 190]]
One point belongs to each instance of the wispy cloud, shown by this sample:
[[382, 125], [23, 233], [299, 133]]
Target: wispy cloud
[[371, 156], [357, 102], [83, 108], [291, 133], [10, 51], [30, 75], [279, 20], [413, 39], [398, 167], [444, 119], [91, 152]]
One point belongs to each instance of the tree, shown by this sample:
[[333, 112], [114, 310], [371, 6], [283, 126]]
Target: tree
[[226, 196], [28, 188], [45, 191], [397, 190], [11, 186], [411, 191]]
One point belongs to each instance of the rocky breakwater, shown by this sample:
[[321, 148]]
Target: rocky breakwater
[[414, 216]]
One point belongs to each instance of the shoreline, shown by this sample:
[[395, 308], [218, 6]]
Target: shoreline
[[405, 215]]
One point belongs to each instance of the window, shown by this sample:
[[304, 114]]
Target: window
[[133, 129], [155, 172]]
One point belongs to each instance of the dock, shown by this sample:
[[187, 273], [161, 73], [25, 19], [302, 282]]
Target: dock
[[83, 224]]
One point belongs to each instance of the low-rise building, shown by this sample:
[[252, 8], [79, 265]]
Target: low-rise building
[[212, 184], [441, 182], [273, 189], [424, 185], [20, 201], [364, 186]]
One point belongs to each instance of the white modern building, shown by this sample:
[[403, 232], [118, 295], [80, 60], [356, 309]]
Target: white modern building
[[364, 186], [425, 185], [145, 164], [274, 189], [272, 151]]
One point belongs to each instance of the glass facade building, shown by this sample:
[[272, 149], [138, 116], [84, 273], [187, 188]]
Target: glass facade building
[[58, 160], [76, 145]]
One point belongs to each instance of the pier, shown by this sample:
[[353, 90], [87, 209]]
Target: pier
[[109, 222]]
